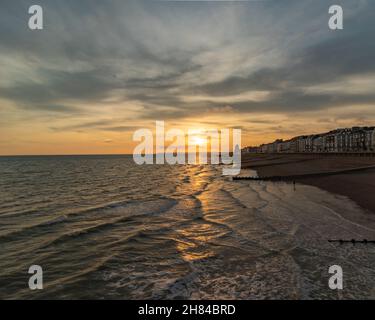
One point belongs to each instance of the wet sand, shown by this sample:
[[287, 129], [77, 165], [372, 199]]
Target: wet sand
[[358, 185]]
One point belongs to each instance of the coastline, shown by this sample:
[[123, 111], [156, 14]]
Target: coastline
[[178, 232], [352, 177]]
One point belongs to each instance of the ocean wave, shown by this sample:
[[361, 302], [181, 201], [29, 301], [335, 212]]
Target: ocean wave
[[133, 208]]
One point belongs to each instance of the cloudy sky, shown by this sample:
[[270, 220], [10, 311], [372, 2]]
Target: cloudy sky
[[102, 69]]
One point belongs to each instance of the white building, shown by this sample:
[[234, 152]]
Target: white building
[[356, 139]]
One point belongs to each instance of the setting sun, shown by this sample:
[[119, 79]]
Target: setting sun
[[199, 141]]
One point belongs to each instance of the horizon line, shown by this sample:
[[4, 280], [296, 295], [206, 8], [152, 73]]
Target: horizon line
[[79, 154]]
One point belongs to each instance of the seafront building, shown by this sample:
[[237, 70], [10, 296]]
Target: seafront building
[[356, 139]]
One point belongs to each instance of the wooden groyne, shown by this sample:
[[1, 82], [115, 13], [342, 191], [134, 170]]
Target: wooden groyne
[[300, 176], [316, 154]]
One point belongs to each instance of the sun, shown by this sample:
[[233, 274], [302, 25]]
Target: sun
[[199, 141]]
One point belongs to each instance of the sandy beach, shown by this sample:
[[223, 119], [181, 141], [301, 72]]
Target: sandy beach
[[350, 176]]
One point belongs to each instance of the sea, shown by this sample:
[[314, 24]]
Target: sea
[[102, 227]]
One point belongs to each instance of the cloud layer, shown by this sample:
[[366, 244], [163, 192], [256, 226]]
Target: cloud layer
[[108, 67]]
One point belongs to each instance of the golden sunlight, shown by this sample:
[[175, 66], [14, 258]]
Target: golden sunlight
[[199, 141]]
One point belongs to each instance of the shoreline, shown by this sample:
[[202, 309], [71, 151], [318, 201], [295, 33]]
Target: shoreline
[[352, 177]]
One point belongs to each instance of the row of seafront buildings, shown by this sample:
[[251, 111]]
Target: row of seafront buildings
[[356, 139]]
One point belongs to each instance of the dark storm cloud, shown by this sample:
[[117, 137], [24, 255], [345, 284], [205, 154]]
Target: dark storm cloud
[[157, 54], [347, 53], [58, 85], [84, 54], [264, 79], [351, 53], [297, 101]]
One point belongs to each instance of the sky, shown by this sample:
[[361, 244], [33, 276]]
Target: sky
[[100, 70]]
